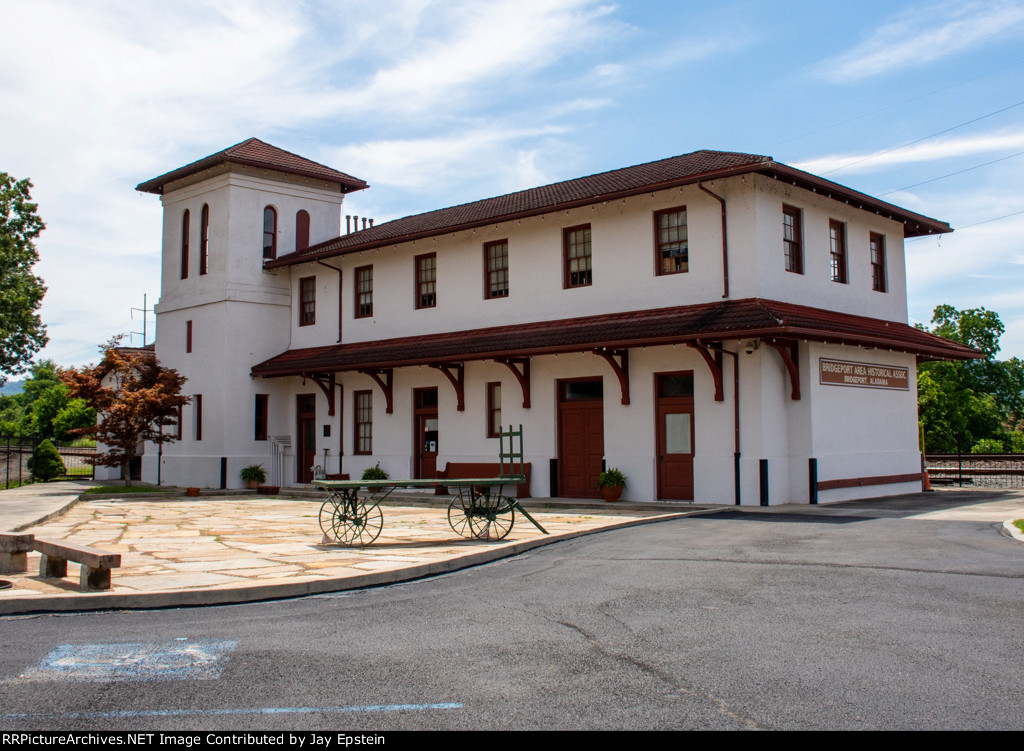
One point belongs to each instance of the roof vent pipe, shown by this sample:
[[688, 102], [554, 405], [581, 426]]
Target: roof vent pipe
[[348, 224], [371, 223], [364, 222]]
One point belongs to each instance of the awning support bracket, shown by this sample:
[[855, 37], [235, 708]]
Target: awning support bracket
[[714, 365], [456, 373], [520, 367], [621, 368], [386, 384]]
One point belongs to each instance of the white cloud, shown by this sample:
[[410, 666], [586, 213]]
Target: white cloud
[[922, 152], [416, 164], [923, 35]]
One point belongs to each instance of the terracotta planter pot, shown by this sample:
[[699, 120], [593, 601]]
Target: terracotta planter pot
[[612, 494], [252, 484], [192, 492]]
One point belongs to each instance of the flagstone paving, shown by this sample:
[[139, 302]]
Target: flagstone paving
[[217, 543]]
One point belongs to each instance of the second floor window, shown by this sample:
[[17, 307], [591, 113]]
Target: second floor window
[[672, 241], [877, 263], [302, 230], [307, 301], [496, 263], [269, 233], [576, 253], [184, 244], [426, 281], [837, 251], [204, 240], [792, 240], [364, 292]]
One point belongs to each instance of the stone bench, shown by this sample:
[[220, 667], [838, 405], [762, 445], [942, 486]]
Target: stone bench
[[96, 563], [14, 549]]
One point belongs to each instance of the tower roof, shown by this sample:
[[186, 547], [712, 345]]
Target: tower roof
[[256, 153]]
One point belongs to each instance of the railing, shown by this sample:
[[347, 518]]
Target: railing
[[16, 449], [978, 470]]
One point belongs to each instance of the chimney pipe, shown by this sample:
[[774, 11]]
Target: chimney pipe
[[348, 224]]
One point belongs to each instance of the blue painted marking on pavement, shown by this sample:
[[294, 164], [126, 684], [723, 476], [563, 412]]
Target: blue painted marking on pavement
[[176, 660], [240, 711]]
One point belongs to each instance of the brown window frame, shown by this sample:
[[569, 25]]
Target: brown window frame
[[494, 275], [362, 443], [661, 245], [837, 251], [424, 298], [493, 409], [261, 417], [793, 248], [568, 282], [272, 232], [188, 337], [204, 240], [197, 413], [363, 297], [876, 249], [185, 221], [301, 229], [307, 308]]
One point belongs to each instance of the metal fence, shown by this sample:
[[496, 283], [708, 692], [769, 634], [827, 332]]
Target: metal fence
[[16, 449], [979, 470]]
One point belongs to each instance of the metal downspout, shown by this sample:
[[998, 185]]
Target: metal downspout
[[725, 241], [340, 291]]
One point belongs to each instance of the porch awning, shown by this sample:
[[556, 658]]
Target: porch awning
[[709, 322]]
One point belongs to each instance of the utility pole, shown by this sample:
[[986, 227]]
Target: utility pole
[[144, 310]]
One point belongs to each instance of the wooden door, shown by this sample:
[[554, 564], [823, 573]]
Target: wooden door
[[426, 438], [305, 445], [675, 436], [580, 438]]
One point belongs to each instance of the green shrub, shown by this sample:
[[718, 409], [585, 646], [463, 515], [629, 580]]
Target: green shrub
[[988, 446], [46, 463], [375, 473], [254, 472], [611, 478]]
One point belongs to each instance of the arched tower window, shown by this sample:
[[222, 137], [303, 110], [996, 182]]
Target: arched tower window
[[184, 245], [302, 230], [204, 240], [269, 232]]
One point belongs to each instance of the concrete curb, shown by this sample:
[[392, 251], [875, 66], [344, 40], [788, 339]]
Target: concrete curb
[[181, 598], [1011, 529]]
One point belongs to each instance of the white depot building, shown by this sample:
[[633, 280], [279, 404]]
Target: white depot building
[[719, 326]]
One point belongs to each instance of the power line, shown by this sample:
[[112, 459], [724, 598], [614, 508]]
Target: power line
[[894, 105], [919, 140], [968, 226], [951, 174]]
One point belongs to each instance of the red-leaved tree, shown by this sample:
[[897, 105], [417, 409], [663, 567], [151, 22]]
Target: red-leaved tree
[[135, 399]]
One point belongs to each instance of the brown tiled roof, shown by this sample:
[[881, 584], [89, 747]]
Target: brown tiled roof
[[734, 319], [583, 191], [256, 153]]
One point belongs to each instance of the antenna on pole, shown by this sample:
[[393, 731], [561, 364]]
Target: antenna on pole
[[144, 310]]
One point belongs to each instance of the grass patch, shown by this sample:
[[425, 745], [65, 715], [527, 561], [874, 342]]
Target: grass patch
[[131, 489], [1019, 524], [79, 472]]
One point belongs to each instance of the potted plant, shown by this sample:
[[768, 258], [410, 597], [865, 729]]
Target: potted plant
[[610, 483], [375, 473], [254, 475]]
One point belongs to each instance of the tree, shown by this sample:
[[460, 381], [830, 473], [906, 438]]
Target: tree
[[962, 404], [46, 463], [135, 398], [21, 292]]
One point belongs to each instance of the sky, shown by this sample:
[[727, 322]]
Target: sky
[[439, 102]]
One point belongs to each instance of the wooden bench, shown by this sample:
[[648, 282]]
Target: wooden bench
[[469, 470], [96, 563], [14, 549]]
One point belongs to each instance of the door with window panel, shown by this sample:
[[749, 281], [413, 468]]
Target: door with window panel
[[675, 439]]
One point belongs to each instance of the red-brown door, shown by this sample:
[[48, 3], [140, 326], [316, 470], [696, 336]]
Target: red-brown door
[[426, 438], [675, 436], [305, 445], [580, 438]]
